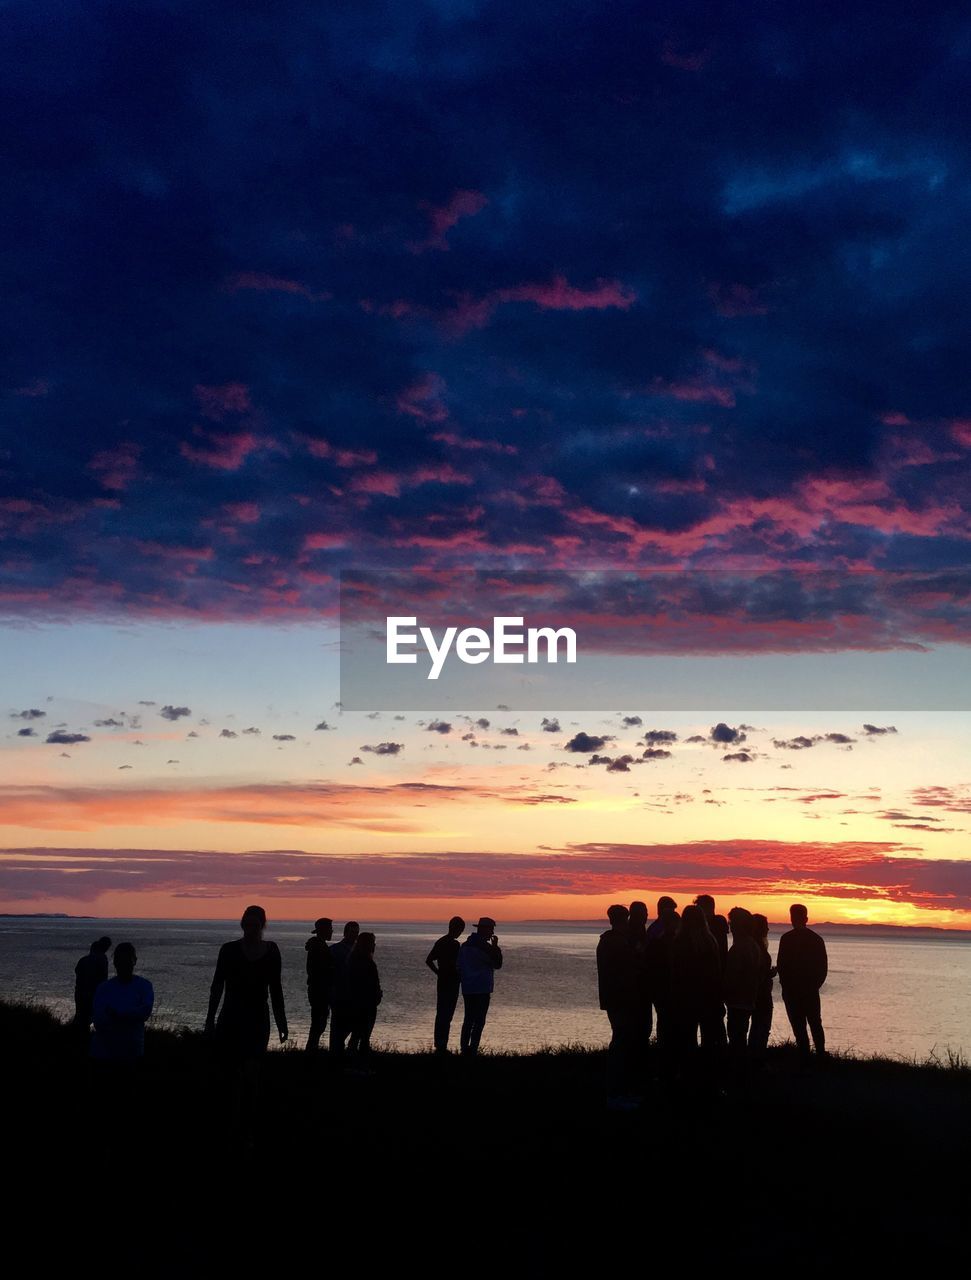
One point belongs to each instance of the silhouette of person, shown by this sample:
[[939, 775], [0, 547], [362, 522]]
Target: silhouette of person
[[803, 967], [665, 906], [617, 984], [443, 960], [363, 994], [340, 954], [89, 973], [717, 925], [479, 958], [660, 939], [696, 990], [248, 973], [741, 985], [637, 931], [320, 977], [758, 1036], [122, 1006]]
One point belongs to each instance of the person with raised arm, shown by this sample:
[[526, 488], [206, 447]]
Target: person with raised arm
[[479, 958]]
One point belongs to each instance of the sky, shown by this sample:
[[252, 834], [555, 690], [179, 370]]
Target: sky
[[631, 300]]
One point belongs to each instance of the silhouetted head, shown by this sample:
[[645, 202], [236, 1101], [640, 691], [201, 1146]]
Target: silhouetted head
[[101, 946], [638, 914], [351, 930], [366, 942], [125, 960], [617, 915], [455, 926], [253, 922], [693, 921], [485, 927], [760, 929], [798, 915], [706, 902], [665, 904], [324, 929], [741, 922]]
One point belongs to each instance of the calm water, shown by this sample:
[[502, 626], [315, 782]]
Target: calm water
[[897, 996]]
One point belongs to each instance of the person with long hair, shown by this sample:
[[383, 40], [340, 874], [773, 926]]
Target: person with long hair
[[248, 974], [696, 990], [758, 1036], [364, 994]]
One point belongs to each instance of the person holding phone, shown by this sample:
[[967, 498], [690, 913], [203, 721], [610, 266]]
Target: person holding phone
[[479, 958]]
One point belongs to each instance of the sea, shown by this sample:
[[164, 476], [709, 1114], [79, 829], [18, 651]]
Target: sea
[[898, 996]]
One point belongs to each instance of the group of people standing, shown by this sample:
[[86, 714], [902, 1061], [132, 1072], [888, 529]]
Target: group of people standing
[[343, 983], [712, 1002]]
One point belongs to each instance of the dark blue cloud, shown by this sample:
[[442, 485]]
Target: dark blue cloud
[[288, 290]]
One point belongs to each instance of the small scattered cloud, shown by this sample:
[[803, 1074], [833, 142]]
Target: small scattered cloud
[[585, 742], [550, 725], [385, 748], [60, 738], [169, 712]]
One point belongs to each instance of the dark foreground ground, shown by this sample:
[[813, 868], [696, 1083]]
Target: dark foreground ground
[[506, 1165]]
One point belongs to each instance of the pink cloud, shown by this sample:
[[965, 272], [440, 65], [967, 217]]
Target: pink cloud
[[263, 283], [424, 399], [442, 218], [222, 451], [116, 468], [219, 402]]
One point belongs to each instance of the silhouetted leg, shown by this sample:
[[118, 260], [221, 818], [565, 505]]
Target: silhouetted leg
[[448, 995], [758, 1036], [340, 1028], [481, 1013], [368, 1020], [465, 1034], [621, 1051], [318, 1025], [814, 1018], [796, 1011], [738, 1025]]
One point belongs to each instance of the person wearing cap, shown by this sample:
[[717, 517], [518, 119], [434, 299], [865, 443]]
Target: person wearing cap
[[443, 960], [89, 973], [479, 958], [320, 978]]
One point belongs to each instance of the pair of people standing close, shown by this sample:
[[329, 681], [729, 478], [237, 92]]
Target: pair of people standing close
[[343, 980], [469, 967]]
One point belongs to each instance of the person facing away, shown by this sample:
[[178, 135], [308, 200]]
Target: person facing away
[[248, 973], [637, 931], [340, 954], [758, 1036], [364, 993], [617, 985], [665, 907], [717, 925], [741, 979], [803, 967], [89, 973], [696, 983], [122, 1006], [443, 960], [660, 940], [320, 976], [479, 958]]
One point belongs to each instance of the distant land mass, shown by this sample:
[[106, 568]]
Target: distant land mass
[[40, 915]]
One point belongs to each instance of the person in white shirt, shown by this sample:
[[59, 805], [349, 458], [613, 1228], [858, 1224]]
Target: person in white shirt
[[122, 1006]]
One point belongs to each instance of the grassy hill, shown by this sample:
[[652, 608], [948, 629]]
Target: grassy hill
[[511, 1159]]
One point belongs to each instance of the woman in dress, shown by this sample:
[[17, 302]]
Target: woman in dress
[[248, 974]]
